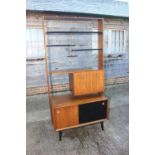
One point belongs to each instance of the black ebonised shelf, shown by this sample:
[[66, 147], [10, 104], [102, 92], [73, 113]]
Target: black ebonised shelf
[[87, 49], [35, 59], [63, 45], [75, 32]]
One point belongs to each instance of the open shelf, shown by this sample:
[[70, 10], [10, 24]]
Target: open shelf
[[69, 71], [62, 45], [35, 58], [93, 49], [68, 100]]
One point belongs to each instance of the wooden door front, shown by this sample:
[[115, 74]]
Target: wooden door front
[[66, 116]]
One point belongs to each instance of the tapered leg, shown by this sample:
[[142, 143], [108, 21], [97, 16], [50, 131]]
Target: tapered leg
[[60, 135], [102, 125]]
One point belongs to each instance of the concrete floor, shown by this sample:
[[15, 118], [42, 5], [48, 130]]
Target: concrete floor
[[89, 140]]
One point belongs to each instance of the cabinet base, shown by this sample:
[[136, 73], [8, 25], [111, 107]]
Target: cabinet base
[[60, 132]]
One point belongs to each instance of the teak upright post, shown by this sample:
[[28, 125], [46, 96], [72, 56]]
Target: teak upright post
[[46, 58], [100, 44]]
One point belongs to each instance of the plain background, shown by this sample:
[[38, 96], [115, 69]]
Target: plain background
[[13, 77]]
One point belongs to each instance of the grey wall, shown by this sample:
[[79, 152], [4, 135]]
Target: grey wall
[[60, 57]]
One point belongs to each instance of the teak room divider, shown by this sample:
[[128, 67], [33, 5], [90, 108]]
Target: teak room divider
[[86, 104]]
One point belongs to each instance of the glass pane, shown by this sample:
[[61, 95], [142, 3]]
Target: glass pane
[[105, 41], [34, 43], [121, 41], [117, 42], [113, 44]]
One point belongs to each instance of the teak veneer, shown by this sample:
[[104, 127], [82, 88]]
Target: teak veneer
[[87, 82]]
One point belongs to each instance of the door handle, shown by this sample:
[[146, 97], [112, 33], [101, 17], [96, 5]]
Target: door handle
[[103, 103], [58, 111]]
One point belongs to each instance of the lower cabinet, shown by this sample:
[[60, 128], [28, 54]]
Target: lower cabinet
[[69, 116]]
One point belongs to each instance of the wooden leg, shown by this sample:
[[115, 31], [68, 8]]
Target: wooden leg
[[102, 125], [60, 135]]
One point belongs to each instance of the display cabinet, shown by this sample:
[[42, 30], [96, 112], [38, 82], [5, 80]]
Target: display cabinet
[[86, 104]]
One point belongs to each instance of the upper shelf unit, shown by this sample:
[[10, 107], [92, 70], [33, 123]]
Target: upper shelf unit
[[73, 37]]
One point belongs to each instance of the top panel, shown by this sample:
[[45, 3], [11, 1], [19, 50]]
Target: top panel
[[69, 100]]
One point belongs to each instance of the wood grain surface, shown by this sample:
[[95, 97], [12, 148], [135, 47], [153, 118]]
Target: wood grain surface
[[65, 117], [87, 82]]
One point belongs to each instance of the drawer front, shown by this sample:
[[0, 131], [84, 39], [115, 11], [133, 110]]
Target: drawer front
[[66, 117], [88, 82], [92, 111]]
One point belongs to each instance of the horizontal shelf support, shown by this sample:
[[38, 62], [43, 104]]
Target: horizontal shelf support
[[69, 71]]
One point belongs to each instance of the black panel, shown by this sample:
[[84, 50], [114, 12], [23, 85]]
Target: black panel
[[92, 111]]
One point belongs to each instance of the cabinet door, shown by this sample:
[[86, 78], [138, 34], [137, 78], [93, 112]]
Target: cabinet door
[[92, 111], [87, 82], [66, 117]]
